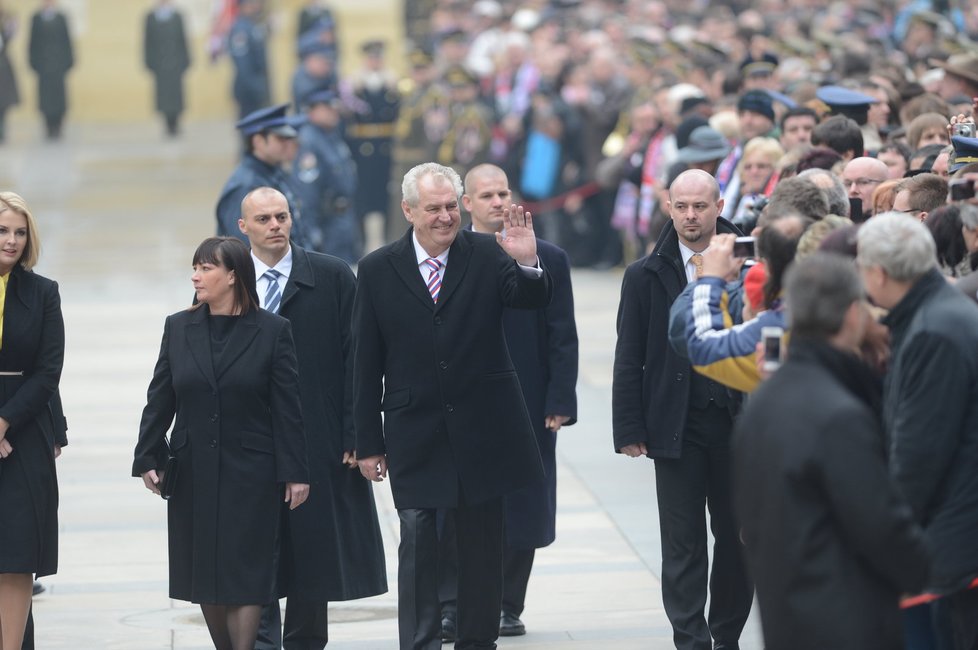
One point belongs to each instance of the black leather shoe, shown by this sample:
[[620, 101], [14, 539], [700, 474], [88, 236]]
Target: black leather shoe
[[38, 588], [511, 625], [449, 629]]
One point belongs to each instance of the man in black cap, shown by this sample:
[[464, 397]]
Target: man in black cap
[[270, 142], [755, 108], [759, 73]]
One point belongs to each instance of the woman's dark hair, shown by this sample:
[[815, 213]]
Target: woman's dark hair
[[232, 254], [818, 158], [778, 251], [944, 224]]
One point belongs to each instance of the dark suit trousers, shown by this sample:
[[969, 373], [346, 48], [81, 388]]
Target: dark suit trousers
[[305, 626], [479, 543], [517, 565], [701, 477]]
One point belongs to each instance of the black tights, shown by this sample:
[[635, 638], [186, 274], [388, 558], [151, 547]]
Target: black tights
[[232, 627]]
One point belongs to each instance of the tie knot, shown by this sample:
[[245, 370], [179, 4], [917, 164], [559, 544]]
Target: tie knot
[[433, 264], [272, 275]]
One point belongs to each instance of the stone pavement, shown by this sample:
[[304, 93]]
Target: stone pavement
[[120, 213]]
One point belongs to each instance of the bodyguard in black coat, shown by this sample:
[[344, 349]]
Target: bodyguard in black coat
[[333, 547], [437, 400], [51, 57], [830, 542], [166, 56], [227, 371], [664, 410]]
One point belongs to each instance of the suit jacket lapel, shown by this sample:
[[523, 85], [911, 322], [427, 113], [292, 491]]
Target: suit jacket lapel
[[405, 262], [458, 262], [199, 342], [242, 334], [301, 275]]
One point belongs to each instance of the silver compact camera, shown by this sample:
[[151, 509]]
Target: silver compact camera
[[964, 129]]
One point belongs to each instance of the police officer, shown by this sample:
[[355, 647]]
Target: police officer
[[317, 66], [374, 101], [326, 178], [270, 143], [247, 46]]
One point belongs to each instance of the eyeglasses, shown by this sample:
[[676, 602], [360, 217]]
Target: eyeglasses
[[861, 182]]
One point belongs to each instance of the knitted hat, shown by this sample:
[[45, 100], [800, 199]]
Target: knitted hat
[[754, 287], [757, 101]]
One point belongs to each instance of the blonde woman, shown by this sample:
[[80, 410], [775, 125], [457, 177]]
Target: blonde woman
[[32, 346]]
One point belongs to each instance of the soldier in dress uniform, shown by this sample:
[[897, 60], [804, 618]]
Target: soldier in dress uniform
[[374, 100], [51, 57], [466, 142], [166, 56], [247, 46], [317, 66], [422, 120], [270, 143], [326, 178]]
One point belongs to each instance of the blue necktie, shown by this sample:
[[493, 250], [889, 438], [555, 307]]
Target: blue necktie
[[273, 296]]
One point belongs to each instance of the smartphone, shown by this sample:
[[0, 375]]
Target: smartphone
[[771, 338], [962, 189], [744, 247], [856, 209]]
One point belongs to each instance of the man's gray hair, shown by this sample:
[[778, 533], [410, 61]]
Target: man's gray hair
[[409, 187], [969, 215], [818, 291], [835, 193], [898, 243]]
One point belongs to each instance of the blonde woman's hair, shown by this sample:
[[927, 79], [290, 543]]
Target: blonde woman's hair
[[15, 203]]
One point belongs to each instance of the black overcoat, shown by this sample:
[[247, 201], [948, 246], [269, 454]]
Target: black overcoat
[[51, 57], [543, 345], [335, 547], [453, 412], [828, 539], [34, 344], [238, 438], [165, 54], [650, 389]]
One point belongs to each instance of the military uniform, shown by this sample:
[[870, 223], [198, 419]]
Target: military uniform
[[326, 178], [51, 57], [252, 173], [166, 56], [304, 83], [422, 120], [469, 134], [247, 46], [370, 134]]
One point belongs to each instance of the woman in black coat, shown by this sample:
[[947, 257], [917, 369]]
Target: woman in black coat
[[227, 372], [32, 346]]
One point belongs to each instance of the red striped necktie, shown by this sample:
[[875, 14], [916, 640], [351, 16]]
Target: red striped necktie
[[434, 278]]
